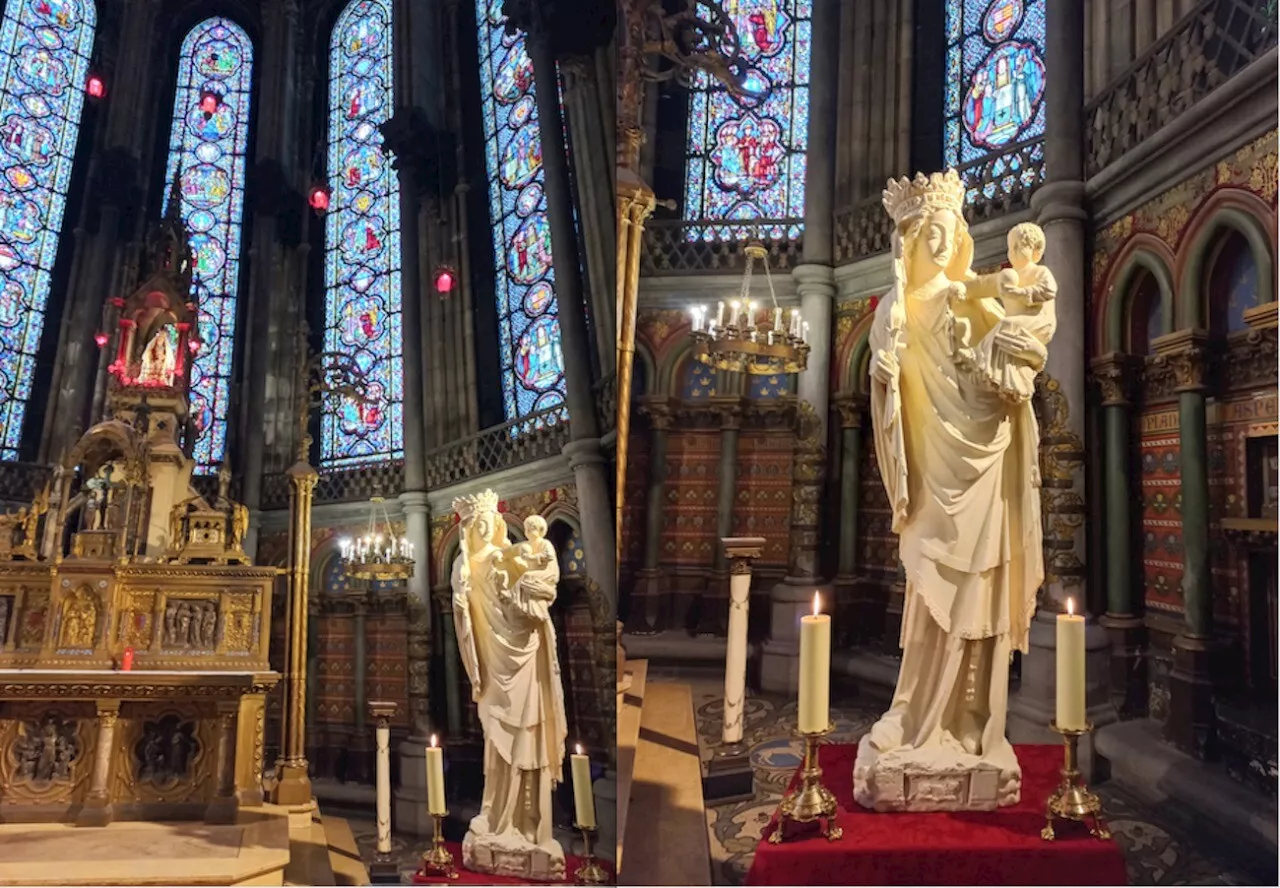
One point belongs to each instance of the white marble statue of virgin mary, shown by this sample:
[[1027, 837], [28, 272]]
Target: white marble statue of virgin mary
[[960, 466], [510, 656]]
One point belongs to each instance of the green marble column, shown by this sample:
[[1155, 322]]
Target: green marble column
[[714, 611], [851, 408], [1190, 725], [454, 684], [650, 605], [1114, 375]]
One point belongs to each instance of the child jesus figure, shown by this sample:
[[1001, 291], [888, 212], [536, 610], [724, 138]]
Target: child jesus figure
[[535, 571], [1008, 358]]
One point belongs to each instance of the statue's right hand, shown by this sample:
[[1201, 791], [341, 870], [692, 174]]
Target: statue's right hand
[[884, 367]]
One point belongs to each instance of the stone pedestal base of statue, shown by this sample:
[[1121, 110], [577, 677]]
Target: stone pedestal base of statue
[[514, 856], [932, 779]]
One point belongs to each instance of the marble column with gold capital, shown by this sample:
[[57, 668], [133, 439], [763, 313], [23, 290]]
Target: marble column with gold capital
[[384, 866], [1191, 709], [851, 613], [1115, 375], [650, 604]]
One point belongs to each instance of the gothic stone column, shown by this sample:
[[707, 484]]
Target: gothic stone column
[[1116, 375], [1190, 724], [650, 606], [1060, 209]]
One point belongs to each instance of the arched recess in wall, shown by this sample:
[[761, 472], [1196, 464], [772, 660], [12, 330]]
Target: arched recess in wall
[[362, 241], [854, 375], [1223, 213], [208, 152], [44, 58], [1143, 253]]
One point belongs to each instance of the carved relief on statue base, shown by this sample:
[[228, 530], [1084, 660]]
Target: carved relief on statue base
[[506, 856], [931, 779]]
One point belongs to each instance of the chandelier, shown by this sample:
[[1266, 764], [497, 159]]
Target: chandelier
[[739, 343], [379, 554]]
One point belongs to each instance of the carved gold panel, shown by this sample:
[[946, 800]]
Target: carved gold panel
[[165, 753], [136, 618], [46, 752]]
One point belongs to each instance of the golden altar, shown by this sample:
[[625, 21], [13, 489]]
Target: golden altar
[[133, 626]]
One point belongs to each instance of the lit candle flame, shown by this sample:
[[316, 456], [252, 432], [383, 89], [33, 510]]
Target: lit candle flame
[[577, 747], [1071, 607], [817, 603], [433, 741]]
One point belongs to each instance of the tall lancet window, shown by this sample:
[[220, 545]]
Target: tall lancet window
[[362, 242], [44, 59], [995, 79], [745, 157], [207, 145], [528, 313]]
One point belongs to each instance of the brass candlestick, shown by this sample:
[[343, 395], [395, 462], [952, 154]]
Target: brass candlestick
[[812, 801], [438, 861], [1072, 800], [590, 873]]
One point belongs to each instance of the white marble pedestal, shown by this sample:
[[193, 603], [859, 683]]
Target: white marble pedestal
[[931, 779], [510, 856]]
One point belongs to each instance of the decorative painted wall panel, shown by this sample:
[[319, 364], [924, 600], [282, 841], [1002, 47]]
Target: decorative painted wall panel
[[689, 524], [1162, 550], [763, 491]]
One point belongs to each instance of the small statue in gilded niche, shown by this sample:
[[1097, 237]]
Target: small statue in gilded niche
[[79, 627]]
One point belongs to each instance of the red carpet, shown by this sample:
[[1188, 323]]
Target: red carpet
[[467, 877], [989, 848]]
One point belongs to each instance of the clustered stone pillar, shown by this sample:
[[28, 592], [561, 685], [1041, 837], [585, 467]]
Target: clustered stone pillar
[[650, 609], [97, 803], [1125, 627], [1060, 209], [815, 282], [851, 612], [712, 610], [383, 868], [1191, 710], [584, 452]]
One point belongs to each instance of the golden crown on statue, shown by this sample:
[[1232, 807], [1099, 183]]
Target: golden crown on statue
[[468, 507], [907, 198]]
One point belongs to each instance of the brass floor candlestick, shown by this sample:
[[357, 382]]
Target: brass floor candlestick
[[590, 873], [438, 861], [811, 801], [1072, 800]]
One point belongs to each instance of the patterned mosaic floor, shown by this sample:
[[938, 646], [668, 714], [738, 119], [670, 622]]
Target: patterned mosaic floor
[[1155, 852]]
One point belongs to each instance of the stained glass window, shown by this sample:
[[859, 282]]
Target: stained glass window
[[746, 157], [207, 150], [44, 58], [362, 242], [528, 320], [995, 76]]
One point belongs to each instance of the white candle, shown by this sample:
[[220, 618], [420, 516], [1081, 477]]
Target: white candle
[[795, 322], [805, 338], [435, 778], [777, 318], [751, 315], [1070, 678], [815, 670], [719, 314], [584, 804]]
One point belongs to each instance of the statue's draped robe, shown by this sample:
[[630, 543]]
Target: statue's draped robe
[[959, 465], [511, 656]]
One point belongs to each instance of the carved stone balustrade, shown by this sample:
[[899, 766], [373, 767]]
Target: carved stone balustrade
[[533, 437], [1197, 55], [673, 247]]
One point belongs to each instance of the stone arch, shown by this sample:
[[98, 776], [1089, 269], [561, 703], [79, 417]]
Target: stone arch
[[667, 377], [1224, 212], [644, 370], [1143, 252], [855, 379]]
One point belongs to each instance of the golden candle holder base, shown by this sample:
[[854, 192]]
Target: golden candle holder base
[[438, 861], [811, 801], [590, 873], [1073, 800]]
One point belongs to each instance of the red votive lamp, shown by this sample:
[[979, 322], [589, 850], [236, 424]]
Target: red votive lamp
[[95, 86], [126, 662]]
